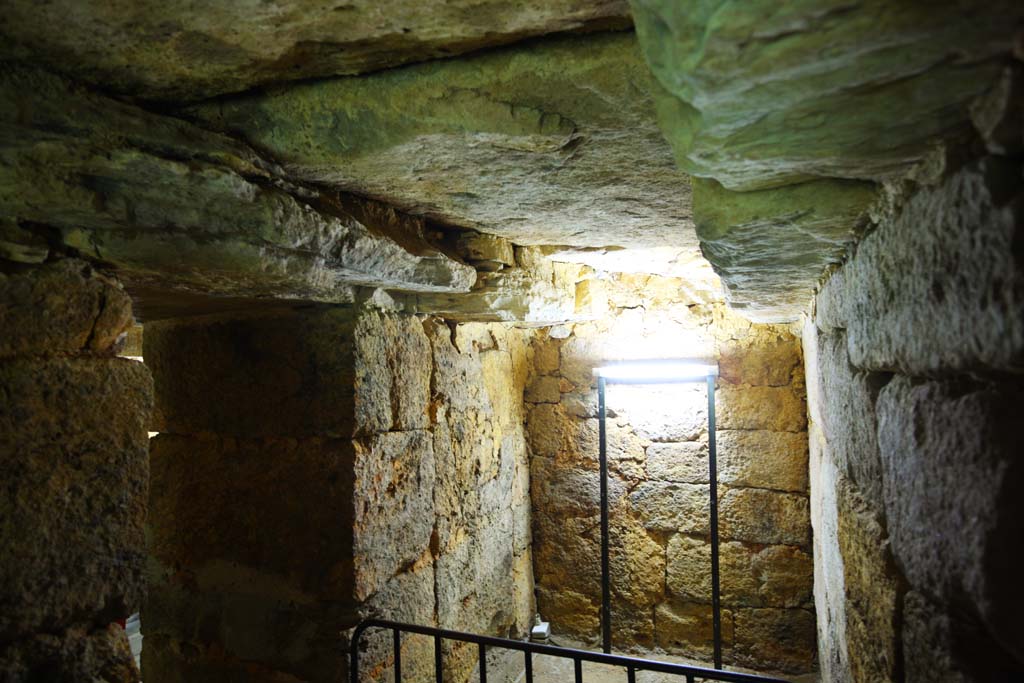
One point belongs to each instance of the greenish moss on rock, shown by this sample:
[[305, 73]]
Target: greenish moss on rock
[[548, 144]]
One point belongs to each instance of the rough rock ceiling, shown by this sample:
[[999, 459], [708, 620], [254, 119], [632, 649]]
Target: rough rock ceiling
[[782, 118], [174, 51], [785, 113], [550, 143]]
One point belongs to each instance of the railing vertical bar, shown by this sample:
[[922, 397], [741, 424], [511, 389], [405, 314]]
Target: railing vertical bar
[[397, 641], [716, 606], [438, 668], [602, 457], [689, 673]]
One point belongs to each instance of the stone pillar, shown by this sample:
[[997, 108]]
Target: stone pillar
[[74, 471], [318, 466]]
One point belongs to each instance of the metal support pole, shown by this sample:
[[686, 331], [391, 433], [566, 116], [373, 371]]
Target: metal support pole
[[606, 597], [716, 608]]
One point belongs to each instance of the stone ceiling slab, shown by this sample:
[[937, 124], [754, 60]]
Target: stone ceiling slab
[[173, 207], [766, 93], [781, 110], [771, 246], [554, 142], [189, 50]]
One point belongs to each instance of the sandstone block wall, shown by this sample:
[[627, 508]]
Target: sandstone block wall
[[657, 441], [318, 466], [74, 470], [914, 360]]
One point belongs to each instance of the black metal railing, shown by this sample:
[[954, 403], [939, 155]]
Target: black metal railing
[[631, 664]]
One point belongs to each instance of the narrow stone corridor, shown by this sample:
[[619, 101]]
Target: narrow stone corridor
[[307, 311]]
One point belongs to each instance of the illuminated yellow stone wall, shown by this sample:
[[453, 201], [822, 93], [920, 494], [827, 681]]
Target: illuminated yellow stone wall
[[657, 435]]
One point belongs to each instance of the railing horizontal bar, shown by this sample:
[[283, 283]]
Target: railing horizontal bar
[[564, 652]]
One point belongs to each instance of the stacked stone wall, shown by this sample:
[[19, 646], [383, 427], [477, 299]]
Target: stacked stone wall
[[659, 490], [914, 360], [316, 467], [74, 471]]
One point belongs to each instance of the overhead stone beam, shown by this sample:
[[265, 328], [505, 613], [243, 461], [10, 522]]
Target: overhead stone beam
[[551, 143], [762, 94], [780, 109], [171, 206], [178, 51], [771, 246], [534, 291]]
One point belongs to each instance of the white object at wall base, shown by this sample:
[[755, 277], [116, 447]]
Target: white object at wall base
[[541, 632]]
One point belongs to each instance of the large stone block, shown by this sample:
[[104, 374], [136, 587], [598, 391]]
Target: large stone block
[[762, 459], [543, 389], [70, 656], [767, 356], [468, 144], [663, 413], [567, 554], [777, 409], [169, 54], [928, 643], [524, 600], [216, 501], [61, 307], [175, 207], [546, 356], [637, 563], [548, 428], [665, 506], [953, 476], [408, 597], [219, 374], [392, 367], [474, 581], [873, 590], [751, 575], [780, 639], [567, 492], [761, 516], [787, 576], [938, 288], [632, 628], [847, 407], [570, 612], [752, 115], [829, 583], [72, 508], [685, 462], [687, 628], [688, 572], [582, 448], [174, 661], [394, 506]]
